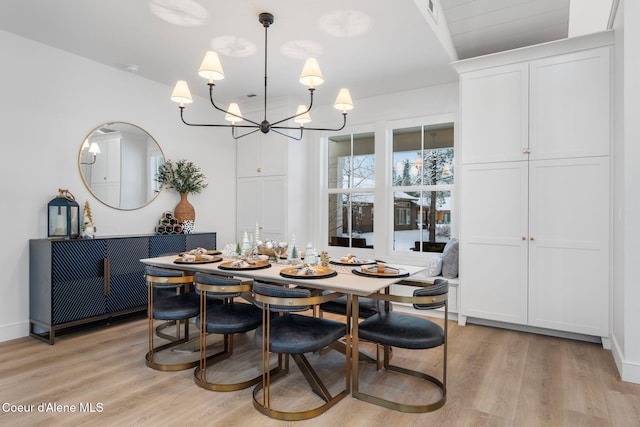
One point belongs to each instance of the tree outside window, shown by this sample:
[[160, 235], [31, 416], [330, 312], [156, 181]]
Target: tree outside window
[[351, 176], [423, 178]]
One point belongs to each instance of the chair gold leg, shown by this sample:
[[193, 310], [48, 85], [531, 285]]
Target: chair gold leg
[[150, 359]]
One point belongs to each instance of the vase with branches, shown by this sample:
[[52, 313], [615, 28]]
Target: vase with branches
[[184, 177]]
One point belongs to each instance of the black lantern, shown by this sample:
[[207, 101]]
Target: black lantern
[[64, 216]]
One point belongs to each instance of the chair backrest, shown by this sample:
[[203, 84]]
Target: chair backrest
[[439, 290], [276, 291], [220, 287], [166, 278]]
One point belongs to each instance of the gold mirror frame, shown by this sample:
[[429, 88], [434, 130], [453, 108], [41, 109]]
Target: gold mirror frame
[[121, 172]]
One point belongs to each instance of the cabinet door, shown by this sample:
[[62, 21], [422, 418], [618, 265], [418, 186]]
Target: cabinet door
[[248, 155], [494, 114], [200, 240], [262, 201], [493, 246], [78, 286], [570, 105], [169, 244], [568, 246], [262, 155], [127, 287]]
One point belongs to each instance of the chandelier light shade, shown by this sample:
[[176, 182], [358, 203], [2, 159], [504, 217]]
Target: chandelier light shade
[[211, 68], [181, 94], [234, 115], [311, 76], [343, 101], [302, 115]]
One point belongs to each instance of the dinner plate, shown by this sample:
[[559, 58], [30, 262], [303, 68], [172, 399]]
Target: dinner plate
[[388, 273], [208, 252], [257, 265], [353, 264], [201, 261], [321, 273]]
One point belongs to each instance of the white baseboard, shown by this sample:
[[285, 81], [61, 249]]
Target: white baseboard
[[629, 372], [13, 331]]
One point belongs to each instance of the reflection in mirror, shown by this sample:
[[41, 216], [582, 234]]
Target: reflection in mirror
[[118, 163]]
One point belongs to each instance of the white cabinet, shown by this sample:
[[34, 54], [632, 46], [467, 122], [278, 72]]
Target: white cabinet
[[262, 190], [569, 244], [534, 243], [261, 155], [570, 105], [495, 104], [263, 201], [535, 186], [544, 109], [493, 239]]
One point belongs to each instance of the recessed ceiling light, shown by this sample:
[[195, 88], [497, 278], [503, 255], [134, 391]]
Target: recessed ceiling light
[[184, 13], [345, 23], [301, 49]]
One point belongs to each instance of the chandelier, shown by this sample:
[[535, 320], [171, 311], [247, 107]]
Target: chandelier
[[311, 76]]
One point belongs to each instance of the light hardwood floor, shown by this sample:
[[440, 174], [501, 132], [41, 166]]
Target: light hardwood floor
[[496, 378]]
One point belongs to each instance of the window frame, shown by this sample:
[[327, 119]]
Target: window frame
[[384, 218], [350, 190], [424, 123]]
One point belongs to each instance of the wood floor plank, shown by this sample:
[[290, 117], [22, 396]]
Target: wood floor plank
[[496, 377]]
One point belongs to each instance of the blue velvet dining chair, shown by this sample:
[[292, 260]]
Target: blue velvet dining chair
[[170, 299], [228, 318], [287, 332], [407, 331]]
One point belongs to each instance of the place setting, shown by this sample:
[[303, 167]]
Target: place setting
[[307, 271], [198, 256], [381, 270], [245, 264], [351, 260]]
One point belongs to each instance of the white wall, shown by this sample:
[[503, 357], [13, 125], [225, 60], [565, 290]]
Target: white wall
[[51, 101], [626, 282]]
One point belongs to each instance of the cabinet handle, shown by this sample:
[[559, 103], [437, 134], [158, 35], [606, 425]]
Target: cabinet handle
[[259, 170], [107, 275], [526, 150], [531, 238], [524, 238]]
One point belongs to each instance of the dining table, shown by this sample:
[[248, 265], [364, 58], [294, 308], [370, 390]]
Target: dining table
[[337, 277], [345, 280]]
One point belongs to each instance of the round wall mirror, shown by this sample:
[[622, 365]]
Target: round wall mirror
[[119, 163]]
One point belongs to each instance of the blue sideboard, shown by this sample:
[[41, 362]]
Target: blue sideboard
[[73, 282]]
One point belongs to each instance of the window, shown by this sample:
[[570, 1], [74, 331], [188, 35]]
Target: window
[[422, 186], [351, 180], [403, 216]]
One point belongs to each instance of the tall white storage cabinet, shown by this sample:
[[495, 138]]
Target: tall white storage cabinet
[[534, 139], [262, 185]]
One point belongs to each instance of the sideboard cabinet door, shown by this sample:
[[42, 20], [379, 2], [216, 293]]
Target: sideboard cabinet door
[[78, 280], [126, 285]]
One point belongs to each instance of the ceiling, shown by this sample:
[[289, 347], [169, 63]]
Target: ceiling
[[373, 47], [480, 27]]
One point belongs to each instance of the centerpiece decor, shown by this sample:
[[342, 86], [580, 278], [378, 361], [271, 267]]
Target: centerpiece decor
[[184, 177], [88, 228]]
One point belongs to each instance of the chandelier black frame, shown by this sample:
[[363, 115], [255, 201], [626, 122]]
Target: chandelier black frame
[[182, 95]]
